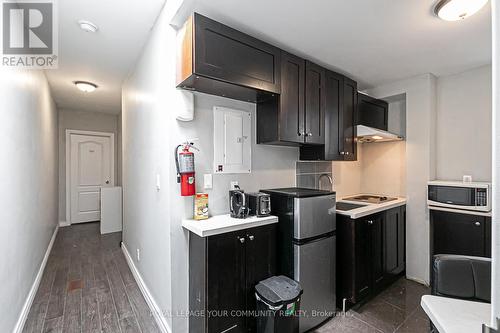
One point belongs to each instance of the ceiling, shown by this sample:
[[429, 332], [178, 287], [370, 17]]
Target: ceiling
[[105, 57], [375, 42]]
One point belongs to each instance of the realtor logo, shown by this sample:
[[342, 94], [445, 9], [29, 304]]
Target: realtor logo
[[29, 38]]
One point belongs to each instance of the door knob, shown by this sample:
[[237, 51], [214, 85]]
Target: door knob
[[107, 181], [309, 134], [251, 237], [242, 239], [370, 222], [477, 224]]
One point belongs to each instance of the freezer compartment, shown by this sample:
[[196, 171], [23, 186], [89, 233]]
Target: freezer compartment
[[314, 269], [314, 216]]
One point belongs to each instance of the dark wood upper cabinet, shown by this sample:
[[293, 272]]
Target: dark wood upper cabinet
[[216, 59], [340, 121], [314, 104], [349, 120], [372, 112]]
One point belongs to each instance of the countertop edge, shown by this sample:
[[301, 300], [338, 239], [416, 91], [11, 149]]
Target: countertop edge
[[373, 209], [253, 222]]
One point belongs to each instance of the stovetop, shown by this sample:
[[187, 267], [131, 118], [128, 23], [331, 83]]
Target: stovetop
[[374, 199]]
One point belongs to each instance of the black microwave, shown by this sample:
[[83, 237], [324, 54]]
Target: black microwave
[[459, 195]]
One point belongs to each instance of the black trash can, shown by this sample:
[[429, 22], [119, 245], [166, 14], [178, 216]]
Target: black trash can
[[278, 305]]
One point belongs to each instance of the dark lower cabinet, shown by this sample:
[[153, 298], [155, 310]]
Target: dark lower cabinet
[[223, 272], [463, 234], [370, 254]]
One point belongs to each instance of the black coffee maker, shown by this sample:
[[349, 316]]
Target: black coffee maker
[[238, 203]]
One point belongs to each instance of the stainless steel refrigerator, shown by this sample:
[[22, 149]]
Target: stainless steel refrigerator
[[306, 246]]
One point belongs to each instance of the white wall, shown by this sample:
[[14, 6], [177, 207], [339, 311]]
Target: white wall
[[383, 168], [420, 164], [495, 298], [28, 185], [463, 125], [87, 121], [152, 219], [272, 166]]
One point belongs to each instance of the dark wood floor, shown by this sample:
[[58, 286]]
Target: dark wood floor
[[87, 286], [397, 309]]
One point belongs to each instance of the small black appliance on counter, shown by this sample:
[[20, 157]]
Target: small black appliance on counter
[[259, 204], [238, 203]]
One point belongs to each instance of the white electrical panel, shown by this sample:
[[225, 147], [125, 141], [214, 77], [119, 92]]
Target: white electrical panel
[[232, 141]]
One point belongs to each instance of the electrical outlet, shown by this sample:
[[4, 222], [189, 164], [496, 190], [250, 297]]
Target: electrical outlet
[[138, 255], [234, 183]]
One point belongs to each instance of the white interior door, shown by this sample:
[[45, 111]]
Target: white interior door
[[91, 167]]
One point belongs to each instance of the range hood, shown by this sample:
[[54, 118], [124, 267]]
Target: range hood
[[372, 134]]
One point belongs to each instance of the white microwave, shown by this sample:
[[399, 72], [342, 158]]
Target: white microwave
[[459, 195]]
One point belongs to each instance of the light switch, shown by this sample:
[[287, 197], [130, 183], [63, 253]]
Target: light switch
[[207, 181]]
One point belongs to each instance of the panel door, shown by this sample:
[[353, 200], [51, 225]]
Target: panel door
[[363, 259], [226, 281], [91, 167], [377, 250], [461, 234], [315, 104], [291, 117], [334, 84], [261, 263], [349, 148]]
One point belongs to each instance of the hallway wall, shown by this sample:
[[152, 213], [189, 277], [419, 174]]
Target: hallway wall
[[86, 121], [28, 185]]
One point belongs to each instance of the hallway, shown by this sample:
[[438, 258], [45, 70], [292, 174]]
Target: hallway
[[87, 286]]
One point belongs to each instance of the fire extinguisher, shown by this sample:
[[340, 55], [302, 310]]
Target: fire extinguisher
[[184, 161]]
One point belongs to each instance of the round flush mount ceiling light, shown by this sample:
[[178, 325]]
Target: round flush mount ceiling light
[[454, 10], [85, 86], [87, 26]]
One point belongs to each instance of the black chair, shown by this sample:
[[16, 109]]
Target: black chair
[[461, 277]]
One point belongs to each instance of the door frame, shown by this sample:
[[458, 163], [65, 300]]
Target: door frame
[[70, 132]]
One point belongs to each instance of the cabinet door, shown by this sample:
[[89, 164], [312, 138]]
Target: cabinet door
[[363, 259], [334, 94], [226, 281], [292, 128], [394, 246], [349, 148], [372, 112], [231, 56], [376, 223], [260, 263], [454, 233], [315, 104]]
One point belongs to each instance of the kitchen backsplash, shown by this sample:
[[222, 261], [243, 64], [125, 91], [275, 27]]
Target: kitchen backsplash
[[307, 174]]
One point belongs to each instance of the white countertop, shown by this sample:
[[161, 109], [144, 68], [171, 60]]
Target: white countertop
[[369, 208], [220, 224], [451, 315]]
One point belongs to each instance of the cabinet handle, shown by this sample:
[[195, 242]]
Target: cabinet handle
[[309, 134], [242, 239], [477, 224], [370, 222], [342, 153], [251, 237]]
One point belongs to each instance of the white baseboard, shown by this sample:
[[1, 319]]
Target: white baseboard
[[34, 288], [64, 224], [153, 306]]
